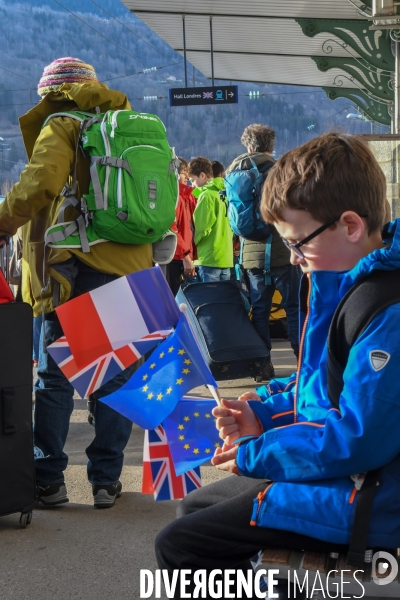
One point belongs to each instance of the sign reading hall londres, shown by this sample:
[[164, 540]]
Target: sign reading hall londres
[[223, 94]]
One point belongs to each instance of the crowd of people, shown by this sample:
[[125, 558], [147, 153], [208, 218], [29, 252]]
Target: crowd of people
[[295, 453]]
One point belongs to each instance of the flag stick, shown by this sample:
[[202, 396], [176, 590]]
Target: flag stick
[[215, 394]]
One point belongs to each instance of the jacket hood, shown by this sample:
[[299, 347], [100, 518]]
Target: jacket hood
[[70, 96], [185, 190], [258, 157], [387, 258], [216, 184]]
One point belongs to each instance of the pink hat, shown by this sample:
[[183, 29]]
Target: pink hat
[[65, 70]]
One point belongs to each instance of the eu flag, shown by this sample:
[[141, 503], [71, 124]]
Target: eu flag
[[173, 369], [191, 432]]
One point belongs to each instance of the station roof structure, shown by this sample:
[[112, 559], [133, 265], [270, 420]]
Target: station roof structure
[[323, 43]]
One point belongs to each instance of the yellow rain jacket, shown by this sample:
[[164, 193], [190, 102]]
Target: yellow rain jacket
[[34, 202]]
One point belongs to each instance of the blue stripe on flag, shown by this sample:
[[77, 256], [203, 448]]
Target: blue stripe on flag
[[148, 287]]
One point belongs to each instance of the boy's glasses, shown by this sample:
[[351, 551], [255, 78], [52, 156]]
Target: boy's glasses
[[296, 247]]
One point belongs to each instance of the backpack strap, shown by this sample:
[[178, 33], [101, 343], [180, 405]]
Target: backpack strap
[[85, 119], [267, 261], [362, 303]]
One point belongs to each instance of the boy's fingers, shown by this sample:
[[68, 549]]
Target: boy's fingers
[[224, 421], [224, 431], [219, 411], [249, 396], [233, 404]]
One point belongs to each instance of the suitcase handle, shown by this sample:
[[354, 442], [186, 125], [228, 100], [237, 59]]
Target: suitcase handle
[[7, 405], [213, 304]]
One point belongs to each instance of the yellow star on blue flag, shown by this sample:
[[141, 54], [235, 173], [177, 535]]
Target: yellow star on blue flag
[[191, 432], [173, 369]]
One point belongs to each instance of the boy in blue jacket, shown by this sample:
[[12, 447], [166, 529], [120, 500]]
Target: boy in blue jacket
[[301, 457]]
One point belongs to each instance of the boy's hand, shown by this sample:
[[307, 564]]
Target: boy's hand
[[235, 419], [249, 396], [188, 267], [224, 459]]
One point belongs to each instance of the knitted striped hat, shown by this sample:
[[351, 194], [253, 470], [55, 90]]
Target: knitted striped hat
[[65, 70]]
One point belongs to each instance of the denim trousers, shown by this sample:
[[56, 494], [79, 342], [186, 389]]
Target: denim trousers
[[286, 280], [214, 274], [54, 405]]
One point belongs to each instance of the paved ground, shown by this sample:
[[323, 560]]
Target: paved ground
[[74, 552]]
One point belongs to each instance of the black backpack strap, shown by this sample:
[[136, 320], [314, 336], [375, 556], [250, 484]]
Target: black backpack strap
[[363, 302], [362, 518]]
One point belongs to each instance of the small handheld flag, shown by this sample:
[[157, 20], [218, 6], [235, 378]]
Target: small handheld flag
[[90, 378], [192, 434], [159, 477], [173, 369], [117, 314]]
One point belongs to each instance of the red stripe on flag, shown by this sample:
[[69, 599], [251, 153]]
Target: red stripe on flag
[[70, 368], [84, 330], [147, 479], [127, 355], [96, 376]]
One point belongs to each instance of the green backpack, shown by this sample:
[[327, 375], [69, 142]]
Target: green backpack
[[134, 182]]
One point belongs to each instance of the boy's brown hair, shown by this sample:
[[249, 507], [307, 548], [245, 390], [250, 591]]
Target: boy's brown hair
[[327, 176], [183, 162], [199, 165]]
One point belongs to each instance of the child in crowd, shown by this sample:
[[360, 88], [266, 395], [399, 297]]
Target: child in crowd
[[217, 168], [213, 234], [297, 489], [182, 263]]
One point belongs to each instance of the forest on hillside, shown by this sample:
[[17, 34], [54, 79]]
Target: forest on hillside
[[36, 32]]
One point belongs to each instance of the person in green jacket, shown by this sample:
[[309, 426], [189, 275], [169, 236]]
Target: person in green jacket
[[51, 276], [213, 234]]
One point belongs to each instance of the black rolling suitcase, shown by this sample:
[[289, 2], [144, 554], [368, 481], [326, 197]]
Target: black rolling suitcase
[[17, 473], [223, 329]]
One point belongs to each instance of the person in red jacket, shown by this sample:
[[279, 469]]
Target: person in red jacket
[[182, 263]]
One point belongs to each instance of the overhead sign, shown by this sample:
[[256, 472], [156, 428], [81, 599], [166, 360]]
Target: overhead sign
[[224, 94]]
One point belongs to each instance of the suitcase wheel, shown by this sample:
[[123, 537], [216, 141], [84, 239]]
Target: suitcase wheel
[[258, 378], [25, 520]]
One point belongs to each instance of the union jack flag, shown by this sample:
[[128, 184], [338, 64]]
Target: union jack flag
[[90, 378], [159, 476], [208, 95]]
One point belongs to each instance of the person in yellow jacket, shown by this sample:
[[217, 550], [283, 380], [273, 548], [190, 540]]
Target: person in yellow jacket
[[51, 276]]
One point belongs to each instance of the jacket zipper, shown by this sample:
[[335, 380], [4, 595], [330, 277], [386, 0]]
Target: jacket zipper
[[353, 495], [257, 507], [303, 334]]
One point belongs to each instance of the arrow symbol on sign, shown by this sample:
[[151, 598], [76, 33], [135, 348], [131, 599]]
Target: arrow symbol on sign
[[231, 94]]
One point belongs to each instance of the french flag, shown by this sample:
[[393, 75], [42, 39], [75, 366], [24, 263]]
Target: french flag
[[117, 314]]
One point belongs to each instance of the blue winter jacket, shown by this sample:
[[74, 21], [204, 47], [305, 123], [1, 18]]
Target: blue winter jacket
[[309, 449]]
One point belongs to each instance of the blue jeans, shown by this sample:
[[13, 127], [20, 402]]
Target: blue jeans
[[214, 274], [54, 405], [287, 280], [37, 325]]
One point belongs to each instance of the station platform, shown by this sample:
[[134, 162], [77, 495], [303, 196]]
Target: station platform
[[74, 552]]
